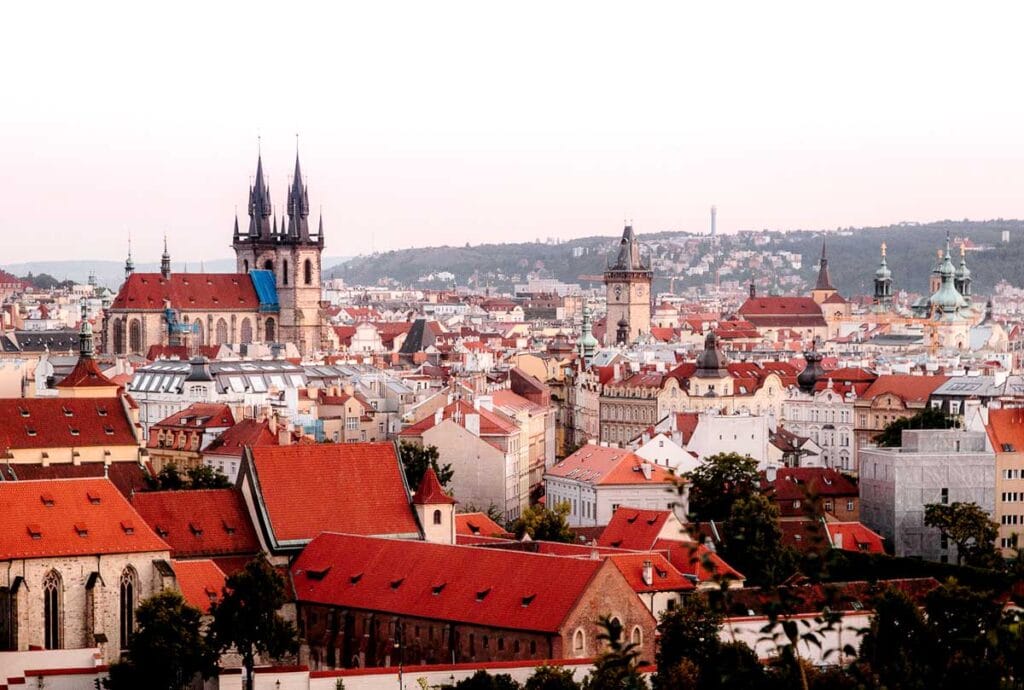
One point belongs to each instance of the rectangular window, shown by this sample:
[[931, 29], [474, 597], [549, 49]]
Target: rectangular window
[[849, 504], [945, 496]]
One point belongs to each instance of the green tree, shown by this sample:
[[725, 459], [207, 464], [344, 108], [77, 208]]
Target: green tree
[[169, 478], [928, 418], [963, 624], [551, 678], [687, 633], [482, 680], [719, 482], [969, 527], [247, 619], [895, 650], [617, 667], [415, 461], [206, 477], [753, 543], [168, 650], [544, 524]]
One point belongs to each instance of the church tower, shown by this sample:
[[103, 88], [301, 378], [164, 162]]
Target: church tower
[[883, 286], [823, 287], [628, 289], [289, 251]]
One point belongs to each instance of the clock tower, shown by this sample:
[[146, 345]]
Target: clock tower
[[627, 283]]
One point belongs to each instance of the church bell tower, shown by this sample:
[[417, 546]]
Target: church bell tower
[[628, 290]]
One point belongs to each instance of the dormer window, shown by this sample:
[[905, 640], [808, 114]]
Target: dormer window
[[195, 528], [94, 499], [482, 594], [74, 431], [81, 529], [30, 431], [24, 411], [47, 499], [437, 589], [356, 578], [67, 412], [395, 584], [127, 527], [35, 531], [101, 411]]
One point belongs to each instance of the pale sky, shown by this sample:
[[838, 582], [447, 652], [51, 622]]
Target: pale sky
[[442, 122]]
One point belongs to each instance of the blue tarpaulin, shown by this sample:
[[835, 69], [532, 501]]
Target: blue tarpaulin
[[266, 290]]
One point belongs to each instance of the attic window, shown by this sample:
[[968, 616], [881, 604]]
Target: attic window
[[101, 411], [527, 600], [35, 531], [24, 411], [161, 531], [437, 589], [228, 527], [67, 412], [318, 573], [652, 520], [395, 584], [195, 528], [81, 529], [1007, 447], [94, 499], [47, 499], [108, 430], [632, 518], [356, 578], [73, 430], [482, 594], [127, 527], [617, 543], [30, 431], [661, 573]]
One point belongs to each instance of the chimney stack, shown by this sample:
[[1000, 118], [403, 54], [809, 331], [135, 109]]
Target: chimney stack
[[648, 574]]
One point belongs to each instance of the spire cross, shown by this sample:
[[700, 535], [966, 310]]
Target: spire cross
[[883, 248]]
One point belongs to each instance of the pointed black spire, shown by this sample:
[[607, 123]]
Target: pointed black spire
[[824, 282], [129, 265], [298, 204], [237, 233], [259, 204]]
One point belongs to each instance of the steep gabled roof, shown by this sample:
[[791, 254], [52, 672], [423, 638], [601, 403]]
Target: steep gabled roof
[[430, 491], [248, 432], [128, 477], [203, 522], [87, 374], [634, 529], [188, 291], [487, 587], [1006, 429], [478, 524], [598, 465], [64, 422], [70, 517], [201, 582], [691, 558], [355, 488], [907, 387]]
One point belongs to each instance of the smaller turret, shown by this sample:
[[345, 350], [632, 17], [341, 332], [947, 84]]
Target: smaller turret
[[165, 261]]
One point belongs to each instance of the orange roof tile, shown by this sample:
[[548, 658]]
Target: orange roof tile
[[64, 422], [187, 291], [907, 387], [201, 582], [203, 522], [594, 464], [478, 524], [430, 491]]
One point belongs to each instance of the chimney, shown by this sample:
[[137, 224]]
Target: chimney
[[438, 415], [272, 423], [284, 434], [837, 540], [645, 467], [648, 573], [484, 402], [473, 423]]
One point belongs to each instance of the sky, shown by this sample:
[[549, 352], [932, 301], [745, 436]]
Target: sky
[[425, 123]]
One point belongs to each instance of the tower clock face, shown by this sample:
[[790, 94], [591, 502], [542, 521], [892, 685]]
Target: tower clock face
[[640, 290]]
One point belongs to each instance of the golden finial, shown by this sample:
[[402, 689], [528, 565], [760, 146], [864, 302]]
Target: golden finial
[[963, 249], [883, 249]]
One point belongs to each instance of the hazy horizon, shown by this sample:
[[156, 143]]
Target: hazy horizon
[[428, 124]]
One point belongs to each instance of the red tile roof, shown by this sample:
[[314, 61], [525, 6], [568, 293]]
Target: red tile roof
[[187, 291], [691, 558], [686, 424], [70, 517], [181, 352], [855, 536], [430, 491], [1006, 429], [907, 387], [797, 483], [488, 587], [300, 488], [200, 416], [64, 422], [87, 374], [492, 423], [248, 432], [757, 307], [665, 576], [201, 582], [202, 522], [128, 477], [634, 529], [594, 464], [478, 524]]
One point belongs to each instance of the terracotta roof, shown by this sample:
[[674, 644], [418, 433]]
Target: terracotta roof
[[248, 432], [197, 416], [779, 306], [665, 576], [691, 558], [641, 379], [430, 491], [201, 582], [64, 422], [182, 352], [686, 424], [1006, 429], [300, 485], [188, 291], [634, 529], [796, 483], [478, 524], [70, 517], [907, 387], [202, 522], [811, 598], [488, 587], [594, 464], [87, 374], [128, 477], [855, 536], [492, 423]]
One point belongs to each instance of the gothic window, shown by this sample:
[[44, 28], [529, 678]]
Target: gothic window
[[245, 266], [307, 272], [200, 332], [135, 337], [51, 610], [118, 336], [129, 583], [637, 636], [246, 333], [222, 331], [578, 642], [269, 331], [268, 265], [284, 272], [437, 517]]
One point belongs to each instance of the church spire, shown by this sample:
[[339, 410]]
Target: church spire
[[259, 204], [165, 261], [85, 345], [824, 281], [129, 265], [298, 204]]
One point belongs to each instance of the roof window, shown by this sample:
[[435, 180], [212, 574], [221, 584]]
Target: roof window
[[47, 499], [395, 584], [356, 578], [482, 594], [127, 527], [35, 531], [94, 498], [195, 528], [528, 599], [318, 573], [81, 529], [437, 589]]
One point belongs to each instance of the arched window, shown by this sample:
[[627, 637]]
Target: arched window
[[51, 610], [437, 517], [222, 332], [268, 265], [246, 331], [579, 642], [200, 332], [245, 266], [118, 344], [307, 272], [284, 272], [637, 636], [129, 584], [269, 331], [135, 337]]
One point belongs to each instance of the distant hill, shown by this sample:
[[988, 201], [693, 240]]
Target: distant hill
[[853, 257], [111, 273]]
